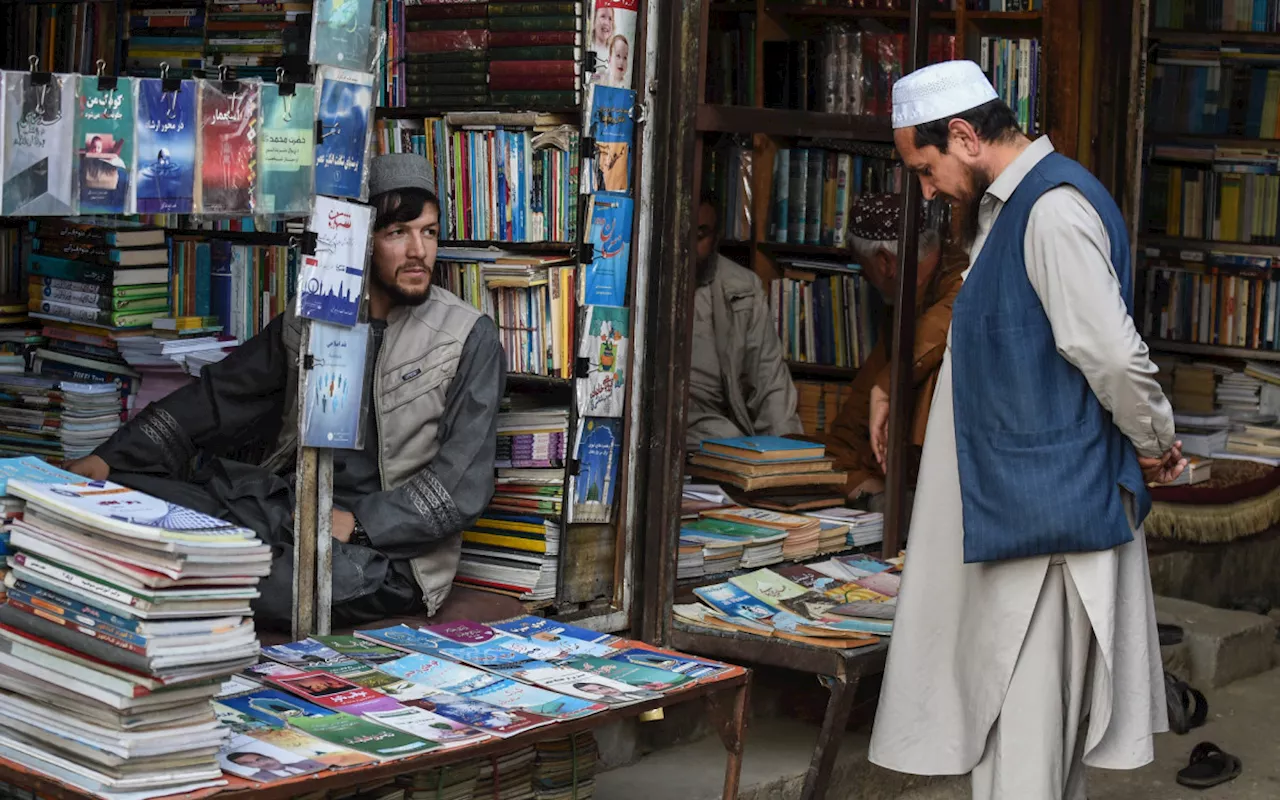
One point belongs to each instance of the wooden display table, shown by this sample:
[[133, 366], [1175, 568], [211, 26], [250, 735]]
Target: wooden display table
[[726, 698], [840, 670]]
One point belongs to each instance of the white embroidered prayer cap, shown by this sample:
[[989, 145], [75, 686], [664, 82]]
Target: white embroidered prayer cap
[[939, 91]]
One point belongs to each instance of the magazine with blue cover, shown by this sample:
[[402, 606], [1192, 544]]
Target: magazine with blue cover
[[104, 145], [334, 409], [609, 234], [331, 281], [34, 470], [599, 452], [345, 114], [166, 132], [613, 127], [342, 34], [286, 150]]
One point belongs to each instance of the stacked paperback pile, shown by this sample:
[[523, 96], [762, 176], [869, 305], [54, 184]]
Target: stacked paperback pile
[[55, 419], [844, 602], [531, 436], [865, 528], [165, 33], [175, 350], [124, 614], [251, 37], [1239, 395], [512, 555], [765, 463], [1194, 386], [565, 768], [818, 403]]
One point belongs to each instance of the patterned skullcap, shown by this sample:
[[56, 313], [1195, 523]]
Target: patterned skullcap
[[939, 91], [874, 217]]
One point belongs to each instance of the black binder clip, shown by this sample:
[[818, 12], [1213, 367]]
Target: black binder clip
[[38, 78], [168, 84], [587, 253], [591, 61], [575, 466], [283, 87], [324, 131], [588, 146], [307, 243], [308, 361], [227, 86], [581, 367], [106, 83]]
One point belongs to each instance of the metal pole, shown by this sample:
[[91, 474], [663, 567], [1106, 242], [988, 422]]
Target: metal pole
[[304, 515], [901, 393]]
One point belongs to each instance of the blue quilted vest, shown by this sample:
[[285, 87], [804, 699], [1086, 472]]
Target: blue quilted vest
[[1041, 462]]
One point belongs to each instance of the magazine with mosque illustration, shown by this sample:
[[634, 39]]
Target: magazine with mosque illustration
[[228, 147], [340, 34], [604, 351], [331, 280], [334, 410], [39, 130], [286, 149], [345, 113], [613, 40], [104, 145], [598, 451], [166, 130]]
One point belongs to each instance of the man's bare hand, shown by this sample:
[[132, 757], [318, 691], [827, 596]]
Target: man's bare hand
[[879, 425], [1165, 468], [343, 525], [869, 486], [91, 467]]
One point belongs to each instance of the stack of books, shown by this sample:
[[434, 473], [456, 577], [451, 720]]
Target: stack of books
[[565, 768], [1239, 393], [818, 403], [1202, 434], [55, 419], [124, 614], [165, 32], [531, 436], [508, 776], [511, 555], [765, 463], [529, 491], [862, 528], [447, 61]]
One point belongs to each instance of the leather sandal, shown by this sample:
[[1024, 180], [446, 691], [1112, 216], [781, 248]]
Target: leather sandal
[[1208, 766], [1187, 706]]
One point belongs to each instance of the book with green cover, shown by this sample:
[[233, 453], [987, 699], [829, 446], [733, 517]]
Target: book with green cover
[[658, 680], [384, 744]]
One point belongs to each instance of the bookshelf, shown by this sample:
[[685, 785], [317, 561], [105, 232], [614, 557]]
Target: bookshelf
[[743, 39]]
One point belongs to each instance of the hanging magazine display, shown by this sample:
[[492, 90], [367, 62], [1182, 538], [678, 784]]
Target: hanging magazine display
[[609, 234], [340, 34], [345, 112], [39, 128], [598, 450], [286, 149], [606, 341], [104, 140], [613, 40], [331, 280], [613, 128], [335, 387], [166, 133], [228, 147]]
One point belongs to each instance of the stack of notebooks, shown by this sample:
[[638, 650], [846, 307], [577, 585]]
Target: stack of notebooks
[[171, 353], [737, 537], [58, 420], [511, 555], [124, 615], [565, 768], [864, 528], [765, 463], [508, 776], [531, 436]]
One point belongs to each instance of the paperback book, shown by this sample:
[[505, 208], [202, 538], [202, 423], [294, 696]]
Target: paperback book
[[341, 34], [613, 128], [599, 452], [104, 140], [613, 40], [604, 351], [166, 135], [228, 147], [331, 281], [286, 150], [609, 235], [334, 409], [39, 131], [345, 121]]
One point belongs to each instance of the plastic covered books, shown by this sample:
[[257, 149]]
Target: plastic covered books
[[286, 149], [332, 279], [166, 133], [39, 174], [228, 147], [104, 140], [335, 387], [605, 347], [345, 113], [340, 34]]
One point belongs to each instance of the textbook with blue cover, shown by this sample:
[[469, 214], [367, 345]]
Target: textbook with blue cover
[[763, 449]]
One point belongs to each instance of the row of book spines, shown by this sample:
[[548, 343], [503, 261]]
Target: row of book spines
[[482, 71], [1230, 207], [1199, 15], [446, 41], [139, 317], [1228, 310], [824, 321], [446, 60], [537, 8], [149, 297], [428, 89], [807, 205], [1239, 100], [496, 24]]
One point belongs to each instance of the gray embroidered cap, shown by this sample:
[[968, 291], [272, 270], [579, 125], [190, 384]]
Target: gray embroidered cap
[[400, 171]]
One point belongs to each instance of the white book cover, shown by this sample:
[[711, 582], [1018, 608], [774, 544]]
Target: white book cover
[[331, 282], [112, 508], [604, 351], [39, 145]]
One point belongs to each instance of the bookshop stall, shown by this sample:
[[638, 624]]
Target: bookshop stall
[[747, 560], [176, 174]]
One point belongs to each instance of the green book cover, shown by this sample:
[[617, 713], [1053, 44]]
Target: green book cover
[[104, 145], [658, 680], [362, 736]]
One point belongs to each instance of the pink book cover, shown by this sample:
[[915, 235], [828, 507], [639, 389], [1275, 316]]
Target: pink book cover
[[335, 693], [467, 633]]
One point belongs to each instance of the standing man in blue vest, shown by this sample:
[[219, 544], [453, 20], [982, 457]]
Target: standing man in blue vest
[[1025, 642]]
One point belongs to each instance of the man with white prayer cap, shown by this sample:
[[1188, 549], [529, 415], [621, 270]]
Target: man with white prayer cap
[[1025, 642]]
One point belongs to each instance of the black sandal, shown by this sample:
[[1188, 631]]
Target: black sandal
[[1208, 766], [1188, 707], [1254, 604]]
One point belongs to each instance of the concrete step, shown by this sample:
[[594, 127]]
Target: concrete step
[[1222, 645]]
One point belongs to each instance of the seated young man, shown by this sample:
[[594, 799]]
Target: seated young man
[[739, 384], [859, 435], [426, 470]]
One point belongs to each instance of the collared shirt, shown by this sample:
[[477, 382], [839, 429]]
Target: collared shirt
[[1068, 258]]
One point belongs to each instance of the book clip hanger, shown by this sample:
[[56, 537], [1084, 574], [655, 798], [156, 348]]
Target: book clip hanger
[[285, 89], [106, 83], [587, 253], [581, 367], [170, 86], [323, 131], [306, 242], [231, 87], [39, 78]]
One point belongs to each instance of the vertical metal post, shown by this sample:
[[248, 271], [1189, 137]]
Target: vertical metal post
[[305, 508], [901, 393]]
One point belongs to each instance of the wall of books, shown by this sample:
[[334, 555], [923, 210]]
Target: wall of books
[[526, 111]]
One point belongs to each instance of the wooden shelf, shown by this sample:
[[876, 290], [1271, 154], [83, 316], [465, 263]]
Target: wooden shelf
[[684, 588], [1192, 349], [1213, 138], [1209, 244], [842, 12], [786, 122], [568, 248], [527, 379], [811, 250], [1004, 16], [821, 370], [416, 112], [1212, 37]]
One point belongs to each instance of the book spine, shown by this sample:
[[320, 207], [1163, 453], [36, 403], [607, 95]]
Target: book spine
[[57, 574]]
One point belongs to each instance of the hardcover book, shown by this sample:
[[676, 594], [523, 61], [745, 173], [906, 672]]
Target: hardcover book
[[345, 115], [39, 131], [104, 140], [330, 282], [286, 150], [166, 135], [228, 148]]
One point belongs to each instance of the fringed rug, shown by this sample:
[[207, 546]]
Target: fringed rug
[[1241, 499]]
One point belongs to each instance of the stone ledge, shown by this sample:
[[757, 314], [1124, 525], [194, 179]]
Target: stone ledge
[[1223, 646]]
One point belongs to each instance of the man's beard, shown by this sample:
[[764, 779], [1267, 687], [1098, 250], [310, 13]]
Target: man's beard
[[968, 206], [397, 295]]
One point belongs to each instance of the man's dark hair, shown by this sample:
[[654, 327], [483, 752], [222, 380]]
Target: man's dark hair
[[993, 121], [235, 757], [401, 205]]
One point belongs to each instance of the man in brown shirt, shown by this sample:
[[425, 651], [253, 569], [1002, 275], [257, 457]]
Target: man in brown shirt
[[858, 437]]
